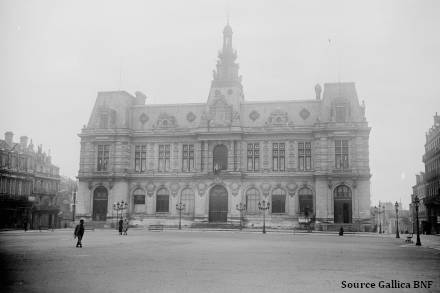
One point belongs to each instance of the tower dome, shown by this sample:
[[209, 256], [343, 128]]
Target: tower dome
[[227, 30]]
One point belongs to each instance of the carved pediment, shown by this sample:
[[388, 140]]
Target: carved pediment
[[165, 121], [278, 117], [220, 113]]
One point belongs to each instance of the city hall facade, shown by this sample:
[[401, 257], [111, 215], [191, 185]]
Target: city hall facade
[[308, 158]]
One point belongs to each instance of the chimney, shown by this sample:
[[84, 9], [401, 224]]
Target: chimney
[[436, 119], [318, 90], [23, 142], [9, 135], [140, 98]]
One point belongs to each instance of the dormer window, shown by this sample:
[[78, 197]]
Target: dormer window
[[341, 112], [103, 120]]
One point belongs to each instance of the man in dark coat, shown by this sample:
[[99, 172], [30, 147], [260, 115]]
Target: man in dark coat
[[121, 226], [79, 232]]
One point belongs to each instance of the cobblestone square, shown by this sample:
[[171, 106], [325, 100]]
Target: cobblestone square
[[211, 261]]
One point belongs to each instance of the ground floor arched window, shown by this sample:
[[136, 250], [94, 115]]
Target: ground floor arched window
[[162, 201], [100, 203], [305, 198], [278, 201], [342, 204], [252, 198]]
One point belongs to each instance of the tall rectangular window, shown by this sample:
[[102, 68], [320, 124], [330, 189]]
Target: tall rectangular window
[[202, 155], [253, 156], [140, 158], [341, 154], [164, 157], [103, 157], [304, 156], [188, 157], [278, 155]]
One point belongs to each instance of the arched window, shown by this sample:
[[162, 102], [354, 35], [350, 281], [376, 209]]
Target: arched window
[[220, 156], [162, 201], [342, 192], [252, 198], [139, 200], [278, 201], [188, 198], [305, 197], [342, 204], [100, 204]]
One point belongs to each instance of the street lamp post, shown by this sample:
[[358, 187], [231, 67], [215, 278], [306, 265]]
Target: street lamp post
[[416, 203], [119, 207], [376, 216], [180, 206], [396, 205], [264, 206], [115, 208], [380, 219], [241, 207], [74, 205]]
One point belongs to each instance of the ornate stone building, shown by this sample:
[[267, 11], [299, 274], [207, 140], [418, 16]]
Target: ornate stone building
[[28, 185], [419, 190], [431, 158], [308, 158]]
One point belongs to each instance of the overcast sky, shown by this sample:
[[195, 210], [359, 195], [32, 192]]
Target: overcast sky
[[56, 55]]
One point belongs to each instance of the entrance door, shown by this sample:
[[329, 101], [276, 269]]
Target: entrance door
[[342, 204], [100, 199], [218, 204]]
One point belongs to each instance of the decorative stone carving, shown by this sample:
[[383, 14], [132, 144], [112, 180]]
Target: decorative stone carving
[[235, 116], [235, 188], [220, 113], [174, 189], [191, 117], [144, 118], [265, 188], [150, 189], [278, 118], [254, 115], [291, 188], [304, 113], [165, 121], [218, 180], [329, 184], [90, 184], [354, 183], [110, 184], [201, 188]]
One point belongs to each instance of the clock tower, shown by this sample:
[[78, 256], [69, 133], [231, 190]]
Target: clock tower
[[226, 83]]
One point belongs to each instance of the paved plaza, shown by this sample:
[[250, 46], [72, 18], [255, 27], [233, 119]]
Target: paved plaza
[[211, 261]]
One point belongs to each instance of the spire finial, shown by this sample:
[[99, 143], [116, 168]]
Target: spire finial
[[227, 13]]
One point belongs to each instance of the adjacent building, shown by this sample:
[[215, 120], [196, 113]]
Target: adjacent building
[[65, 201], [28, 185], [307, 158], [419, 190], [431, 159]]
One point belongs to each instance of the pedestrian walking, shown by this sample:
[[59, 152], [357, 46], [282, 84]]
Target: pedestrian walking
[[121, 226], [25, 224], [341, 231], [79, 232], [125, 226]]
